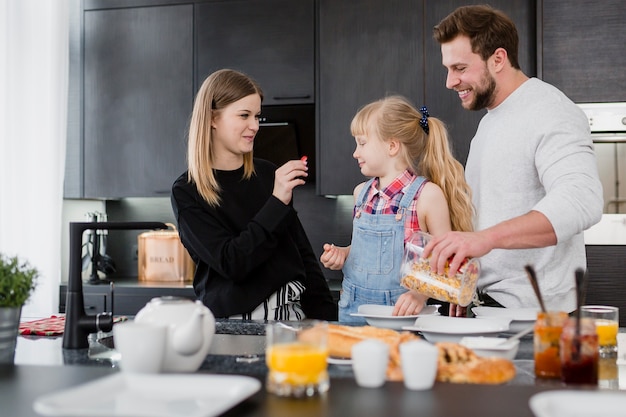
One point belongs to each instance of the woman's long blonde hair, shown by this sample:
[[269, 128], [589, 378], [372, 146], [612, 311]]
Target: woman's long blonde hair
[[427, 154], [220, 89]]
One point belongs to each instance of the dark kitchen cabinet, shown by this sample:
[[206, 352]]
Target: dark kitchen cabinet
[[369, 49], [270, 40], [135, 95], [127, 297], [583, 48]]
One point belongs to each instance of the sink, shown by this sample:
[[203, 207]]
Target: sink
[[222, 344], [107, 341]]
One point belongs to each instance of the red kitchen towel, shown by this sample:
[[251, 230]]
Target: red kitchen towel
[[52, 326]]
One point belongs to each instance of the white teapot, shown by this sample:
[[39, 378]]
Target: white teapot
[[191, 327]]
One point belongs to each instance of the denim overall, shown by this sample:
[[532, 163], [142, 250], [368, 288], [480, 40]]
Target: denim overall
[[371, 274]]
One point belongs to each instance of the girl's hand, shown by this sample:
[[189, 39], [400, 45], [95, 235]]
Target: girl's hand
[[409, 303], [334, 257], [288, 177]]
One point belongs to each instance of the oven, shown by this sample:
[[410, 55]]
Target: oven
[[608, 131]]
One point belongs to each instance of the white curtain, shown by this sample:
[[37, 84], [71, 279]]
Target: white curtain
[[33, 117]]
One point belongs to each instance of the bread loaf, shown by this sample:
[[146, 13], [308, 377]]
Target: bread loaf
[[342, 338], [456, 363]]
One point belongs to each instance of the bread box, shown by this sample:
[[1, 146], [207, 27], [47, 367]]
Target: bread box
[[163, 258]]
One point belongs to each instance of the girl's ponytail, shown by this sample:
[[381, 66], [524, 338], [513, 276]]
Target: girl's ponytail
[[441, 167]]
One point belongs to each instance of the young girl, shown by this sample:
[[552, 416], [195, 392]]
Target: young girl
[[416, 185], [235, 214]]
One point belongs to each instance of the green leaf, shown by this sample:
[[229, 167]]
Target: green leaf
[[17, 281]]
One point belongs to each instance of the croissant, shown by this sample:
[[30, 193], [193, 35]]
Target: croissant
[[459, 364]]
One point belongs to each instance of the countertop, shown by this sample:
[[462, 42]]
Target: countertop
[[611, 230], [42, 366]]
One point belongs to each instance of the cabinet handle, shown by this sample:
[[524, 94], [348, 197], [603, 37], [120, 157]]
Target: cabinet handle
[[292, 97]]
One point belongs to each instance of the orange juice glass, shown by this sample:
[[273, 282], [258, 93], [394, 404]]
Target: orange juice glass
[[296, 355], [607, 325]]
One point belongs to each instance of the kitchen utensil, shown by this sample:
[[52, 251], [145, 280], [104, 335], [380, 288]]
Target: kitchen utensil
[[521, 318], [492, 346], [141, 345], [578, 403], [369, 362], [452, 329], [519, 335], [532, 276], [296, 357], [155, 395], [191, 327], [606, 319], [418, 276], [419, 364], [380, 315], [580, 289]]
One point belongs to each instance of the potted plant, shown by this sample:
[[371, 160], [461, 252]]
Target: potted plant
[[17, 282]]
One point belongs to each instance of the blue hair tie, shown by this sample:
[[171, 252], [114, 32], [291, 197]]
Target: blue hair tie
[[424, 119]]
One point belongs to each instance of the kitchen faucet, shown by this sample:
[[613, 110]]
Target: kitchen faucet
[[78, 324]]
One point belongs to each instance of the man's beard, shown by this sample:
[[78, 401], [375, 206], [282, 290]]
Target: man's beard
[[484, 98]]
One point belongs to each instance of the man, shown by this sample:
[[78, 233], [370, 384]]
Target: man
[[531, 167]]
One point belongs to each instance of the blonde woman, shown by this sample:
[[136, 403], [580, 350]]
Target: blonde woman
[[416, 184], [235, 214]]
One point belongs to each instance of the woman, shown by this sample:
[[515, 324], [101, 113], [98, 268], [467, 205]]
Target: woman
[[235, 214]]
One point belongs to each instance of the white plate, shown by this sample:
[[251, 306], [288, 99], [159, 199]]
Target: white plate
[[521, 318], [452, 329], [380, 316], [578, 403], [143, 395]]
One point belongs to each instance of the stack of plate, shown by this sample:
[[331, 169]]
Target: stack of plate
[[453, 329], [380, 316], [521, 318]]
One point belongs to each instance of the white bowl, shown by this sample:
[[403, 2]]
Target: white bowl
[[521, 318], [453, 329], [492, 346], [380, 315]]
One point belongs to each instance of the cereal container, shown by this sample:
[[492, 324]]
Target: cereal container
[[417, 275]]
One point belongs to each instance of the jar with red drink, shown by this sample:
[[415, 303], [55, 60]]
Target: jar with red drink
[[579, 353]]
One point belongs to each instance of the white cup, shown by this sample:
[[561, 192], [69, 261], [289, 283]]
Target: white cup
[[141, 345], [419, 364], [369, 362]]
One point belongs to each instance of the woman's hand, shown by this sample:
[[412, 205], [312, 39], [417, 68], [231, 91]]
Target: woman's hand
[[334, 257], [288, 177], [409, 303]]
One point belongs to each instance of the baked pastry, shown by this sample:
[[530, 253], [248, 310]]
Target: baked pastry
[[342, 338], [460, 364]]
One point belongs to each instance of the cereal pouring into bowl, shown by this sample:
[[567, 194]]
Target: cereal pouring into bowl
[[418, 275]]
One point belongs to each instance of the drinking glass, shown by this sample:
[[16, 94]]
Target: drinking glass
[[607, 325], [296, 355]]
